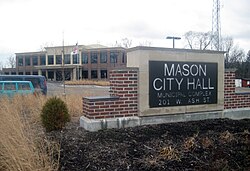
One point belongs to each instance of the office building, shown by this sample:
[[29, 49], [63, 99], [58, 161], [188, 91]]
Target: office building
[[76, 62]]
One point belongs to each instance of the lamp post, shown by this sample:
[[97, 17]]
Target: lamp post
[[174, 38]]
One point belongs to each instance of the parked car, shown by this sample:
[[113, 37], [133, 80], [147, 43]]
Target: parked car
[[38, 81], [11, 88]]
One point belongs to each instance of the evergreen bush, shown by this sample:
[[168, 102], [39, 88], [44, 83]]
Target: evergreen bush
[[54, 114]]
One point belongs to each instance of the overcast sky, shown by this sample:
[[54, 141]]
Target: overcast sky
[[27, 25]]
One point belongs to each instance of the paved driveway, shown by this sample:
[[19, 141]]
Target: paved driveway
[[57, 88]]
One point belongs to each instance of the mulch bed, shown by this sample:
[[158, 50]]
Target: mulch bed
[[219, 144]]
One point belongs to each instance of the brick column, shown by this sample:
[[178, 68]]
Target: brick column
[[123, 99], [123, 83]]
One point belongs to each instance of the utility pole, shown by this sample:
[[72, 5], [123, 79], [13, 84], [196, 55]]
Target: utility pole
[[77, 61], [75, 54], [174, 38], [63, 74]]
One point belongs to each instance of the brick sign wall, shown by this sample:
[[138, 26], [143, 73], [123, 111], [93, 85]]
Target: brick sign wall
[[234, 100], [123, 100]]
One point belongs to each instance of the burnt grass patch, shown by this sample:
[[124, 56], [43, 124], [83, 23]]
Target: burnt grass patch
[[216, 144]]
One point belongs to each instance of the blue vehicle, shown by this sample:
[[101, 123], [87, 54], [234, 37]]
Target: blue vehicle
[[11, 88], [38, 81]]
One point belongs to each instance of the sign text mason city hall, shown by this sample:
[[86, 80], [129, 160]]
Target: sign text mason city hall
[[182, 83]]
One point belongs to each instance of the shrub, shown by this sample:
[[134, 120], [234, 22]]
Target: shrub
[[54, 114]]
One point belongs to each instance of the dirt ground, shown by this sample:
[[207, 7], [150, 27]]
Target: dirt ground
[[220, 144]]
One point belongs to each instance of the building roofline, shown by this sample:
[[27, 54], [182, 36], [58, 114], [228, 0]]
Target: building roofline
[[108, 48], [25, 53], [91, 46], [81, 47], [174, 50], [68, 46]]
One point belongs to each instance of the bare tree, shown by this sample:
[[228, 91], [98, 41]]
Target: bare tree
[[236, 54], [248, 57], [145, 43], [198, 40], [205, 40], [246, 66], [227, 43], [117, 44], [44, 45], [11, 61], [125, 42], [235, 59], [189, 37]]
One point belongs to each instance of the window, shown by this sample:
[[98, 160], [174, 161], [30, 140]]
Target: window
[[113, 57], [93, 56], [59, 76], [10, 86], [35, 60], [85, 74], [67, 75], [67, 59], [27, 61], [94, 74], [104, 74], [84, 58], [103, 57], [75, 59], [44, 73], [51, 75], [58, 59], [42, 60], [23, 86], [123, 57], [20, 61], [50, 59]]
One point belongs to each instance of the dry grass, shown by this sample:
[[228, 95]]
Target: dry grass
[[221, 164], [190, 142], [23, 144], [169, 153], [246, 135], [88, 82], [206, 142], [74, 104], [226, 137]]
